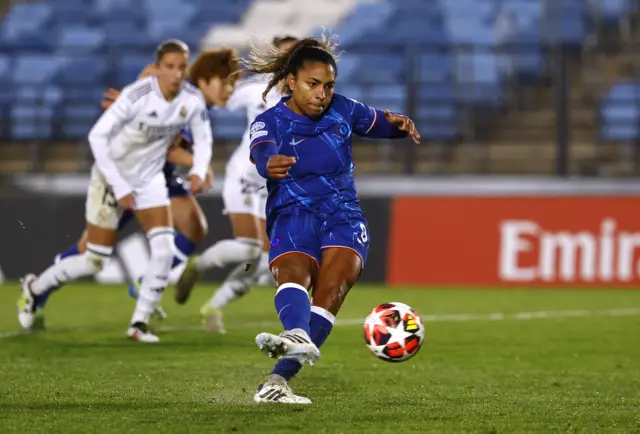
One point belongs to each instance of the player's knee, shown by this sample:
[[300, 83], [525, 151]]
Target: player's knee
[[97, 256], [293, 270], [161, 244]]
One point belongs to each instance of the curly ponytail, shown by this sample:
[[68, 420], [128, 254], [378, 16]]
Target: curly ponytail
[[280, 64]]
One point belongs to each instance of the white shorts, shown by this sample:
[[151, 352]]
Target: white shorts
[[102, 208], [244, 194]]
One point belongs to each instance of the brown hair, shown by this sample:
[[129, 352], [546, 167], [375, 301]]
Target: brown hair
[[278, 41], [282, 63], [171, 46], [221, 63]]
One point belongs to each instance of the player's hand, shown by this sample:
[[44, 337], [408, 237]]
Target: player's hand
[[109, 97], [149, 70], [208, 181], [196, 184], [403, 123], [127, 202], [278, 166]]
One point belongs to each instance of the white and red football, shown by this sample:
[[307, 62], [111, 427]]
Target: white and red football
[[393, 332]]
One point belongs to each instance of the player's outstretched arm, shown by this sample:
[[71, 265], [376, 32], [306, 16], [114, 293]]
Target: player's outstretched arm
[[378, 124], [403, 123]]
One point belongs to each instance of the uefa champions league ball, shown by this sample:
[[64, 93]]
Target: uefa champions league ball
[[393, 332]]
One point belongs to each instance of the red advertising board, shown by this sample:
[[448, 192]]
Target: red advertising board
[[573, 241]]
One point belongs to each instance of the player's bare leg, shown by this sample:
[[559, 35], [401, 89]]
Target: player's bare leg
[[339, 272], [294, 273], [157, 224], [240, 279], [99, 246]]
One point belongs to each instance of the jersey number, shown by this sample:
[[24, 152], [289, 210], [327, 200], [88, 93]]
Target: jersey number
[[108, 198], [363, 233]]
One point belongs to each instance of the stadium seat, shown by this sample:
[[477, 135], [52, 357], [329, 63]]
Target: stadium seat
[[390, 97], [76, 120], [25, 18], [80, 38], [127, 35], [436, 93], [34, 68], [131, 65], [478, 78], [227, 124], [31, 122], [38, 95], [610, 12], [84, 70], [620, 113], [435, 67]]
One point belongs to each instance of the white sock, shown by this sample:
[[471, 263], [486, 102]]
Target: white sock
[[263, 274], [237, 284], [227, 252], [72, 268], [156, 277]]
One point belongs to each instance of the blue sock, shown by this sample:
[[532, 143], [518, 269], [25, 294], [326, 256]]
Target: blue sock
[[70, 251], [293, 306], [321, 325], [185, 246]]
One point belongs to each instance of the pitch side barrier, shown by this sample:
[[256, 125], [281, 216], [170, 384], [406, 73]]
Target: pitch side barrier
[[498, 231]]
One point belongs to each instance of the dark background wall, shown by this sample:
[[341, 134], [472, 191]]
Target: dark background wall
[[36, 228]]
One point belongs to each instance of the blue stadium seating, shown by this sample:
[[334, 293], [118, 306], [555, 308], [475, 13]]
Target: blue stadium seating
[[73, 49], [620, 113]]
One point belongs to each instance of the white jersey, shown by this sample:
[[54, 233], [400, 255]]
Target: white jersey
[[248, 96], [130, 140]]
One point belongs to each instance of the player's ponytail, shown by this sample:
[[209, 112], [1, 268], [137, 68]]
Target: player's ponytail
[[282, 63]]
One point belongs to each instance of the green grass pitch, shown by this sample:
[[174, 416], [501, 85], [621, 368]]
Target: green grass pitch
[[575, 367]]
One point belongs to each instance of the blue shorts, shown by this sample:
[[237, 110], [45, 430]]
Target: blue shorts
[[176, 189], [304, 231]]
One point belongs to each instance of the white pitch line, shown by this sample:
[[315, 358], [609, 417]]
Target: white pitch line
[[467, 317]]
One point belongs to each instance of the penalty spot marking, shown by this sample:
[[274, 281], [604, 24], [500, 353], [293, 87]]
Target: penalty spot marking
[[467, 317]]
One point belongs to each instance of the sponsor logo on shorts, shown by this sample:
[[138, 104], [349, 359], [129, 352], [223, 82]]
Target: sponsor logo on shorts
[[275, 242]]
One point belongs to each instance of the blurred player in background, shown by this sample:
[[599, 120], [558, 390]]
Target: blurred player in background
[[215, 91], [215, 73], [245, 198], [319, 237]]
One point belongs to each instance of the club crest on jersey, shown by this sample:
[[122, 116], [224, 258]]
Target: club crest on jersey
[[342, 129], [182, 112]]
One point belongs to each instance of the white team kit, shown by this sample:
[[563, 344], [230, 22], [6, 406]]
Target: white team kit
[[130, 143], [244, 190]]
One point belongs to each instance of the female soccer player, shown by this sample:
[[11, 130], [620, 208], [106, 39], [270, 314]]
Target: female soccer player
[[318, 233], [129, 143], [214, 72], [244, 195]]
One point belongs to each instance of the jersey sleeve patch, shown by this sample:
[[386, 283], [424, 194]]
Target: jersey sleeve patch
[[257, 130]]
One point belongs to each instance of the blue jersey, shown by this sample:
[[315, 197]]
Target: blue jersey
[[322, 178], [316, 206]]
